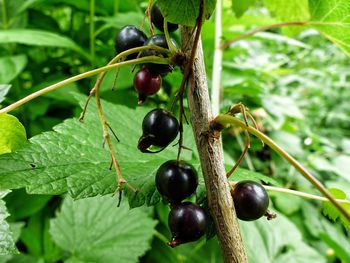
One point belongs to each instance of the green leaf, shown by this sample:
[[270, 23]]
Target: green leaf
[[96, 230], [332, 212], [334, 19], [7, 243], [240, 7], [278, 239], [11, 66], [291, 10], [72, 159], [4, 89], [245, 174], [35, 37], [188, 13], [13, 134]]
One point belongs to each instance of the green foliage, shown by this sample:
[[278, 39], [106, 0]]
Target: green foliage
[[13, 134], [331, 212], [240, 7], [293, 10], [4, 89], [188, 13], [7, 243], [11, 66], [96, 230], [334, 19]]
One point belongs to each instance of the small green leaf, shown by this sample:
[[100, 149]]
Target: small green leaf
[[11, 66], [188, 13], [240, 7], [334, 21], [4, 89], [38, 38], [96, 230], [12, 133], [7, 243], [332, 212]]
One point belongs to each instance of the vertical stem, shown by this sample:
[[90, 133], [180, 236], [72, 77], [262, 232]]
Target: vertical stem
[[92, 31], [4, 14], [211, 157], [217, 67], [116, 7]]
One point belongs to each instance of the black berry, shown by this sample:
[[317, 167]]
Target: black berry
[[187, 223], [176, 180], [146, 83], [159, 128], [129, 37], [250, 199], [158, 40], [158, 19]]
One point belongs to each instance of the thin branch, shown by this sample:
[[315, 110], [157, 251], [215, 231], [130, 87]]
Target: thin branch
[[224, 120], [297, 193], [263, 28]]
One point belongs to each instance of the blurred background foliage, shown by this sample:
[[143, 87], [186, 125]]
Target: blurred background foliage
[[296, 84]]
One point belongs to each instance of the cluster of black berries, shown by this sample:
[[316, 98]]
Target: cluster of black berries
[[148, 79], [175, 180], [250, 199]]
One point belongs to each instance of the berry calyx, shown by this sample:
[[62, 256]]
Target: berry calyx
[[158, 19], [187, 223], [129, 37], [176, 180], [146, 83], [160, 127], [250, 199], [158, 40]]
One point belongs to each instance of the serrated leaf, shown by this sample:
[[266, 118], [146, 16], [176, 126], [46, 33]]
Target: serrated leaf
[[72, 159], [332, 212], [240, 7], [188, 13], [245, 174], [4, 89], [278, 239], [96, 230], [7, 242], [38, 38], [12, 134], [333, 21]]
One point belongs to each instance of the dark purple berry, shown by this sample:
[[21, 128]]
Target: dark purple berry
[[160, 128], [129, 37], [187, 223], [250, 199], [158, 19], [176, 180], [158, 40], [146, 83]]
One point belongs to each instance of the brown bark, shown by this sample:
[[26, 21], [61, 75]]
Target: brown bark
[[211, 156]]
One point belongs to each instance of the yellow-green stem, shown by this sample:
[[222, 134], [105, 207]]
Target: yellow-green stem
[[225, 120]]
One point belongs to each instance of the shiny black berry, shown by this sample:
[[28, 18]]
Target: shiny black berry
[[158, 40], [187, 223], [146, 83], [159, 128], [250, 199], [176, 180], [158, 19], [129, 37]]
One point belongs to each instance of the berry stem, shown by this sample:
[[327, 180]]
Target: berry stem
[[297, 193], [153, 59], [225, 120]]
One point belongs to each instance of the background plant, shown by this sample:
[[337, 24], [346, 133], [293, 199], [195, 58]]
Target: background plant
[[298, 88]]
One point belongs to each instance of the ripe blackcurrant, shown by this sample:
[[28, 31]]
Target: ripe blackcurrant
[[158, 19], [159, 128], [187, 223], [129, 37], [250, 199], [158, 40], [176, 180], [146, 83]]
